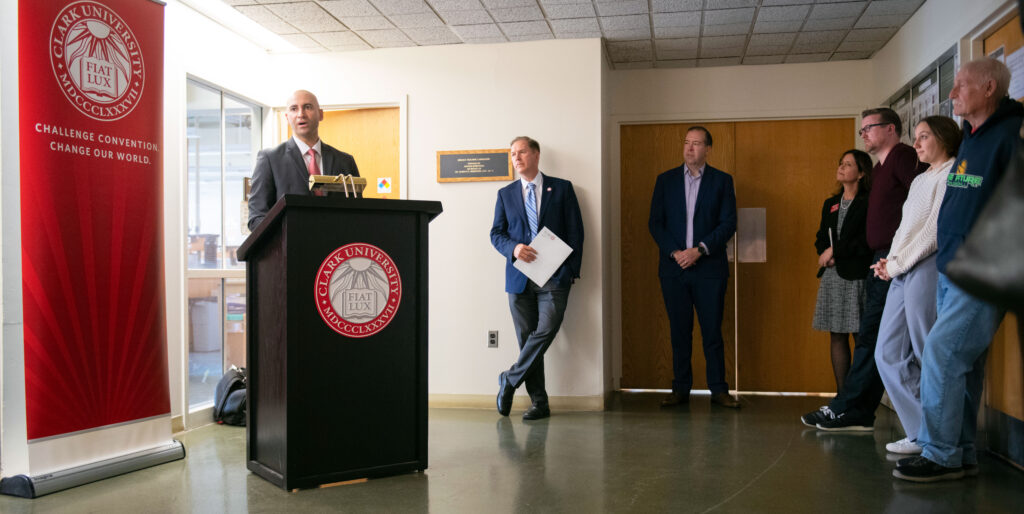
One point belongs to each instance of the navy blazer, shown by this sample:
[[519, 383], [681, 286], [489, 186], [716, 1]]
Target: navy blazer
[[559, 212], [714, 221], [282, 171]]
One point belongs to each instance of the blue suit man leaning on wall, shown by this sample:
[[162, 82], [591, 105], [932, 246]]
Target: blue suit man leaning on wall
[[693, 215], [524, 207]]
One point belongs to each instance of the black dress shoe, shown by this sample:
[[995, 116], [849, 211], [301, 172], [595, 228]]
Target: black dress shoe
[[675, 399], [725, 400], [537, 412], [505, 393]]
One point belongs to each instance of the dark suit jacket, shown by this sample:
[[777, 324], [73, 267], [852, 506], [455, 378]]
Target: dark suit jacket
[[851, 251], [714, 221], [282, 171], [559, 212]]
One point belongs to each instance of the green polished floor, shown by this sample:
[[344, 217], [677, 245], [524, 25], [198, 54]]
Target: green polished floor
[[635, 457]]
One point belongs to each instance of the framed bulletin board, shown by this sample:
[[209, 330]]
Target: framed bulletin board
[[473, 165]]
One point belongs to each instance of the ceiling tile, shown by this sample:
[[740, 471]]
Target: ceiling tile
[[307, 17], [627, 51], [627, 34], [341, 8], [455, 5], [729, 4], [367, 23], [887, 20], [675, 5], [504, 4], [415, 21], [485, 40], [580, 35], [517, 14], [386, 38], [467, 17], [531, 37], [830, 23], [625, 22], [240, 2], [301, 41], [622, 7], [850, 56], [763, 59], [331, 39], [401, 6], [766, 27], [488, 30], [819, 57], [773, 39], [723, 42], [638, 65], [735, 51], [765, 3], [682, 53], [871, 34], [268, 19], [664, 45], [555, 12], [859, 46], [433, 35], [525, 28], [819, 37], [843, 10], [767, 49], [676, 19], [677, 63], [574, 26], [878, 8], [692, 31], [728, 16], [787, 13], [727, 61], [726, 30]]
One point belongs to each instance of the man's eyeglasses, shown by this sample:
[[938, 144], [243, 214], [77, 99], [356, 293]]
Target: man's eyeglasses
[[866, 128]]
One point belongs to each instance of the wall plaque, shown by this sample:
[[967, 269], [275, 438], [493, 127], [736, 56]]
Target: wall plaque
[[473, 165]]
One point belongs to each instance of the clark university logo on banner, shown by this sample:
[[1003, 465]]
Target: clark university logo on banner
[[358, 290], [97, 61]]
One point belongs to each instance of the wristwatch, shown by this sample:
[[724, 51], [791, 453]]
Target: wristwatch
[[702, 250]]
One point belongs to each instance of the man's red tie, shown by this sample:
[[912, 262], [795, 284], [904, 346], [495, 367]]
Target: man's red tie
[[313, 168]]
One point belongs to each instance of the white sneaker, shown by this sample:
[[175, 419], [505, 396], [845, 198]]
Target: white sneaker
[[904, 447]]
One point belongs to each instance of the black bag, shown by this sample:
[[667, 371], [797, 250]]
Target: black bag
[[229, 398], [989, 263]]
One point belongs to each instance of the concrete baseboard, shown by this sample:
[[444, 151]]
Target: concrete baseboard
[[481, 401]]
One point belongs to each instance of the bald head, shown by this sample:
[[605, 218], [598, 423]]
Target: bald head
[[989, 69], [978, 88], [304, 115]]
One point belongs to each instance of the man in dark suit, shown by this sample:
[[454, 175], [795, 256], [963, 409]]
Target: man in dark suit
[[524, 207], [285, 169], [693, 215]]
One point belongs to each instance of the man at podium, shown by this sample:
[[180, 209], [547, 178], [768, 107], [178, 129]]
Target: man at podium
[[525, 207], [285, 169]]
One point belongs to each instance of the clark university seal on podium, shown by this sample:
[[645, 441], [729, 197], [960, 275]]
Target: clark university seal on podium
[[358, 290]]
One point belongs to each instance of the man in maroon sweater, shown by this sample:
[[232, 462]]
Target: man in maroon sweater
[[853, 408]]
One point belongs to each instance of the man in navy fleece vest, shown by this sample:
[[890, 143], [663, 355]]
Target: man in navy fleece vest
[[953, 363]]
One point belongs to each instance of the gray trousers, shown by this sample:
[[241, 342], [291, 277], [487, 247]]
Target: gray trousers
[[908, 317], [537, 314]]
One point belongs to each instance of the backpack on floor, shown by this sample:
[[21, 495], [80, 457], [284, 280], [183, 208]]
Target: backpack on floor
[[229, 398]]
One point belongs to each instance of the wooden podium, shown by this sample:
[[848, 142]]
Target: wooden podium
[[337, 339]]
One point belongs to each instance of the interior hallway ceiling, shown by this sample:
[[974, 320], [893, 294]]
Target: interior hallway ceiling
[[636, 33]]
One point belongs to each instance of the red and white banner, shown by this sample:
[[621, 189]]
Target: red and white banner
[[91, 135]]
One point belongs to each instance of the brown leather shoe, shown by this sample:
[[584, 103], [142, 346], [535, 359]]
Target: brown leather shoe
[[674, 399], [725, 400]]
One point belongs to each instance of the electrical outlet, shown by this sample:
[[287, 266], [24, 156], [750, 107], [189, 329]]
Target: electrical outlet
[[492, 338]]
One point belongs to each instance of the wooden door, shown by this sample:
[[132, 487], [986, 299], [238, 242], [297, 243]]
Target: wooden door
[[786, 167]]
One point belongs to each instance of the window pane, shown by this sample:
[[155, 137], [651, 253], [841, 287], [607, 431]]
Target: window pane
[[205, 338], [203, 134], [242, 124], [234, 323]]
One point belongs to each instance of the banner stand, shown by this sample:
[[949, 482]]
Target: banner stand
[[34, 487]]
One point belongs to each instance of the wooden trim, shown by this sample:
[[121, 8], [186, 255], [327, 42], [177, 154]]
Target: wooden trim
[[519, 403]]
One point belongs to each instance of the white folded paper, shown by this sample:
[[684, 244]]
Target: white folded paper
[[551, 253]]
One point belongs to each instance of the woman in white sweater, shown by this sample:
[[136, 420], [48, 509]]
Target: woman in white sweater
[[910, 305]]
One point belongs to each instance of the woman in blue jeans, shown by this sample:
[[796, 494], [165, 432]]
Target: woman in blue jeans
[[910, 305]]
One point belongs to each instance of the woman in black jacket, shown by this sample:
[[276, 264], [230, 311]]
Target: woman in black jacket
[[844, 258]]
